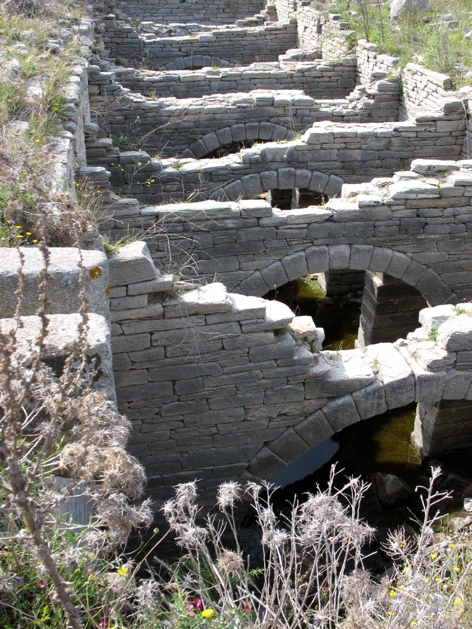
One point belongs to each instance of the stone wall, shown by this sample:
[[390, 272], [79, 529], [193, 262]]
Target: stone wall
[[224, 46], [333, 79], [194, 127], [355, 153], [243, 379], [424, 91], [417, 226], [201, 11], [327, 31]]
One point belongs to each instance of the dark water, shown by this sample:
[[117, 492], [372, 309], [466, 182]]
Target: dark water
[[339, 318], [380, 444]]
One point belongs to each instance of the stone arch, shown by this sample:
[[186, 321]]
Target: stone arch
[[337, 414], [249, 131], [252, 185], [196, 62], [318, 259]]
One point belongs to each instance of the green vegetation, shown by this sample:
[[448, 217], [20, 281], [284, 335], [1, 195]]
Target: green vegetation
[[426, 38]]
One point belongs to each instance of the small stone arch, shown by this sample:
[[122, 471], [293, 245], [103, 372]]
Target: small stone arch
[[248, 131], [196, 62], [333, 417], [319, 259], [252, 185]]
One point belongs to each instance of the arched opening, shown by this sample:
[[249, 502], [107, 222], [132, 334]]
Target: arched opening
[[295, 198]]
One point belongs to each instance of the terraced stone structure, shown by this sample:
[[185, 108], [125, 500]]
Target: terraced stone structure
[[253, 146]]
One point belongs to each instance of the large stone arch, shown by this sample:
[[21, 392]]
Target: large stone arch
[[319, 259], [196, 62], [250, 186], [239, 132], [375, 399]]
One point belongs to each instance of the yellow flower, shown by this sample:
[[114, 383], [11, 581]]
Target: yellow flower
[[28, 233], [392, 593], [37, 140], [389, 613], [452, 545], [413, 623], [437, 579], [458, 601], [17, 226], [433, 556], [457, 569], [34, 241], [91, 577], [123, 571], [208, 613], [425, 580], [19, 236]]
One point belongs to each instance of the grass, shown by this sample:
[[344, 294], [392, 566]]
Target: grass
[[32, 80], [440, 48]]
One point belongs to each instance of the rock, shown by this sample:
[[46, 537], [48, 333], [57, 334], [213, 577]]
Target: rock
[[390, 489], [399, 8]]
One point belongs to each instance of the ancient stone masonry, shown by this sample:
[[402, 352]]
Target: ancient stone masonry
[[353, 153], [206, 363], [215, 12], [245, 378], [391, 226], [178, 127], [233, 46]]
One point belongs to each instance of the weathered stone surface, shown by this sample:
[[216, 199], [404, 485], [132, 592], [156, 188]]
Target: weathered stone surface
[[131, 264]]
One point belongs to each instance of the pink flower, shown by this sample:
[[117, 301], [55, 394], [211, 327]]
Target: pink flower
[[41, 584], [189, 607], [102, 624], [247, 608], [198, 603]]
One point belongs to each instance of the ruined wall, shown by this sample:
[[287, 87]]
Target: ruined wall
[[253, 247], [244, 378], [230, 46], [334, 79], [188, 127], [355, 153], [201, 11]]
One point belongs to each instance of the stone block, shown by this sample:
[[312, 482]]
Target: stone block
[[341, 412], [295, 265], [432, 318], [314, 429], [130, 343], [360, 257], [212, 298], [339, 256], [394, 373], [266, 465], [317, 259], [274, 275], [285, 395], [370, 401], [456, 334], [131, 264], [289, 446], [286, 178]]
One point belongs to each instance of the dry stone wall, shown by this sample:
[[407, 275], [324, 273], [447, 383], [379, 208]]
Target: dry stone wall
[[355, 153], [335, 79], [232, 46], [245, 379], [415, 227], [202, 11], [194, 127]]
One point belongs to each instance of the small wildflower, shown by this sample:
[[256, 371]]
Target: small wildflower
[[19, 236], [458, 601], [452, 545], [413, 623], [208, 613], [198, 603], [189, 607], [91, 577], [102, 623], [392, 593], [17, 226], [247, 608], [37, 141], [28, 233], [389, 613], [457, 569], [34, 241], [41, 584], [433, 556], [139, 163], [123, 571], [437, 579], [425, 580]]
